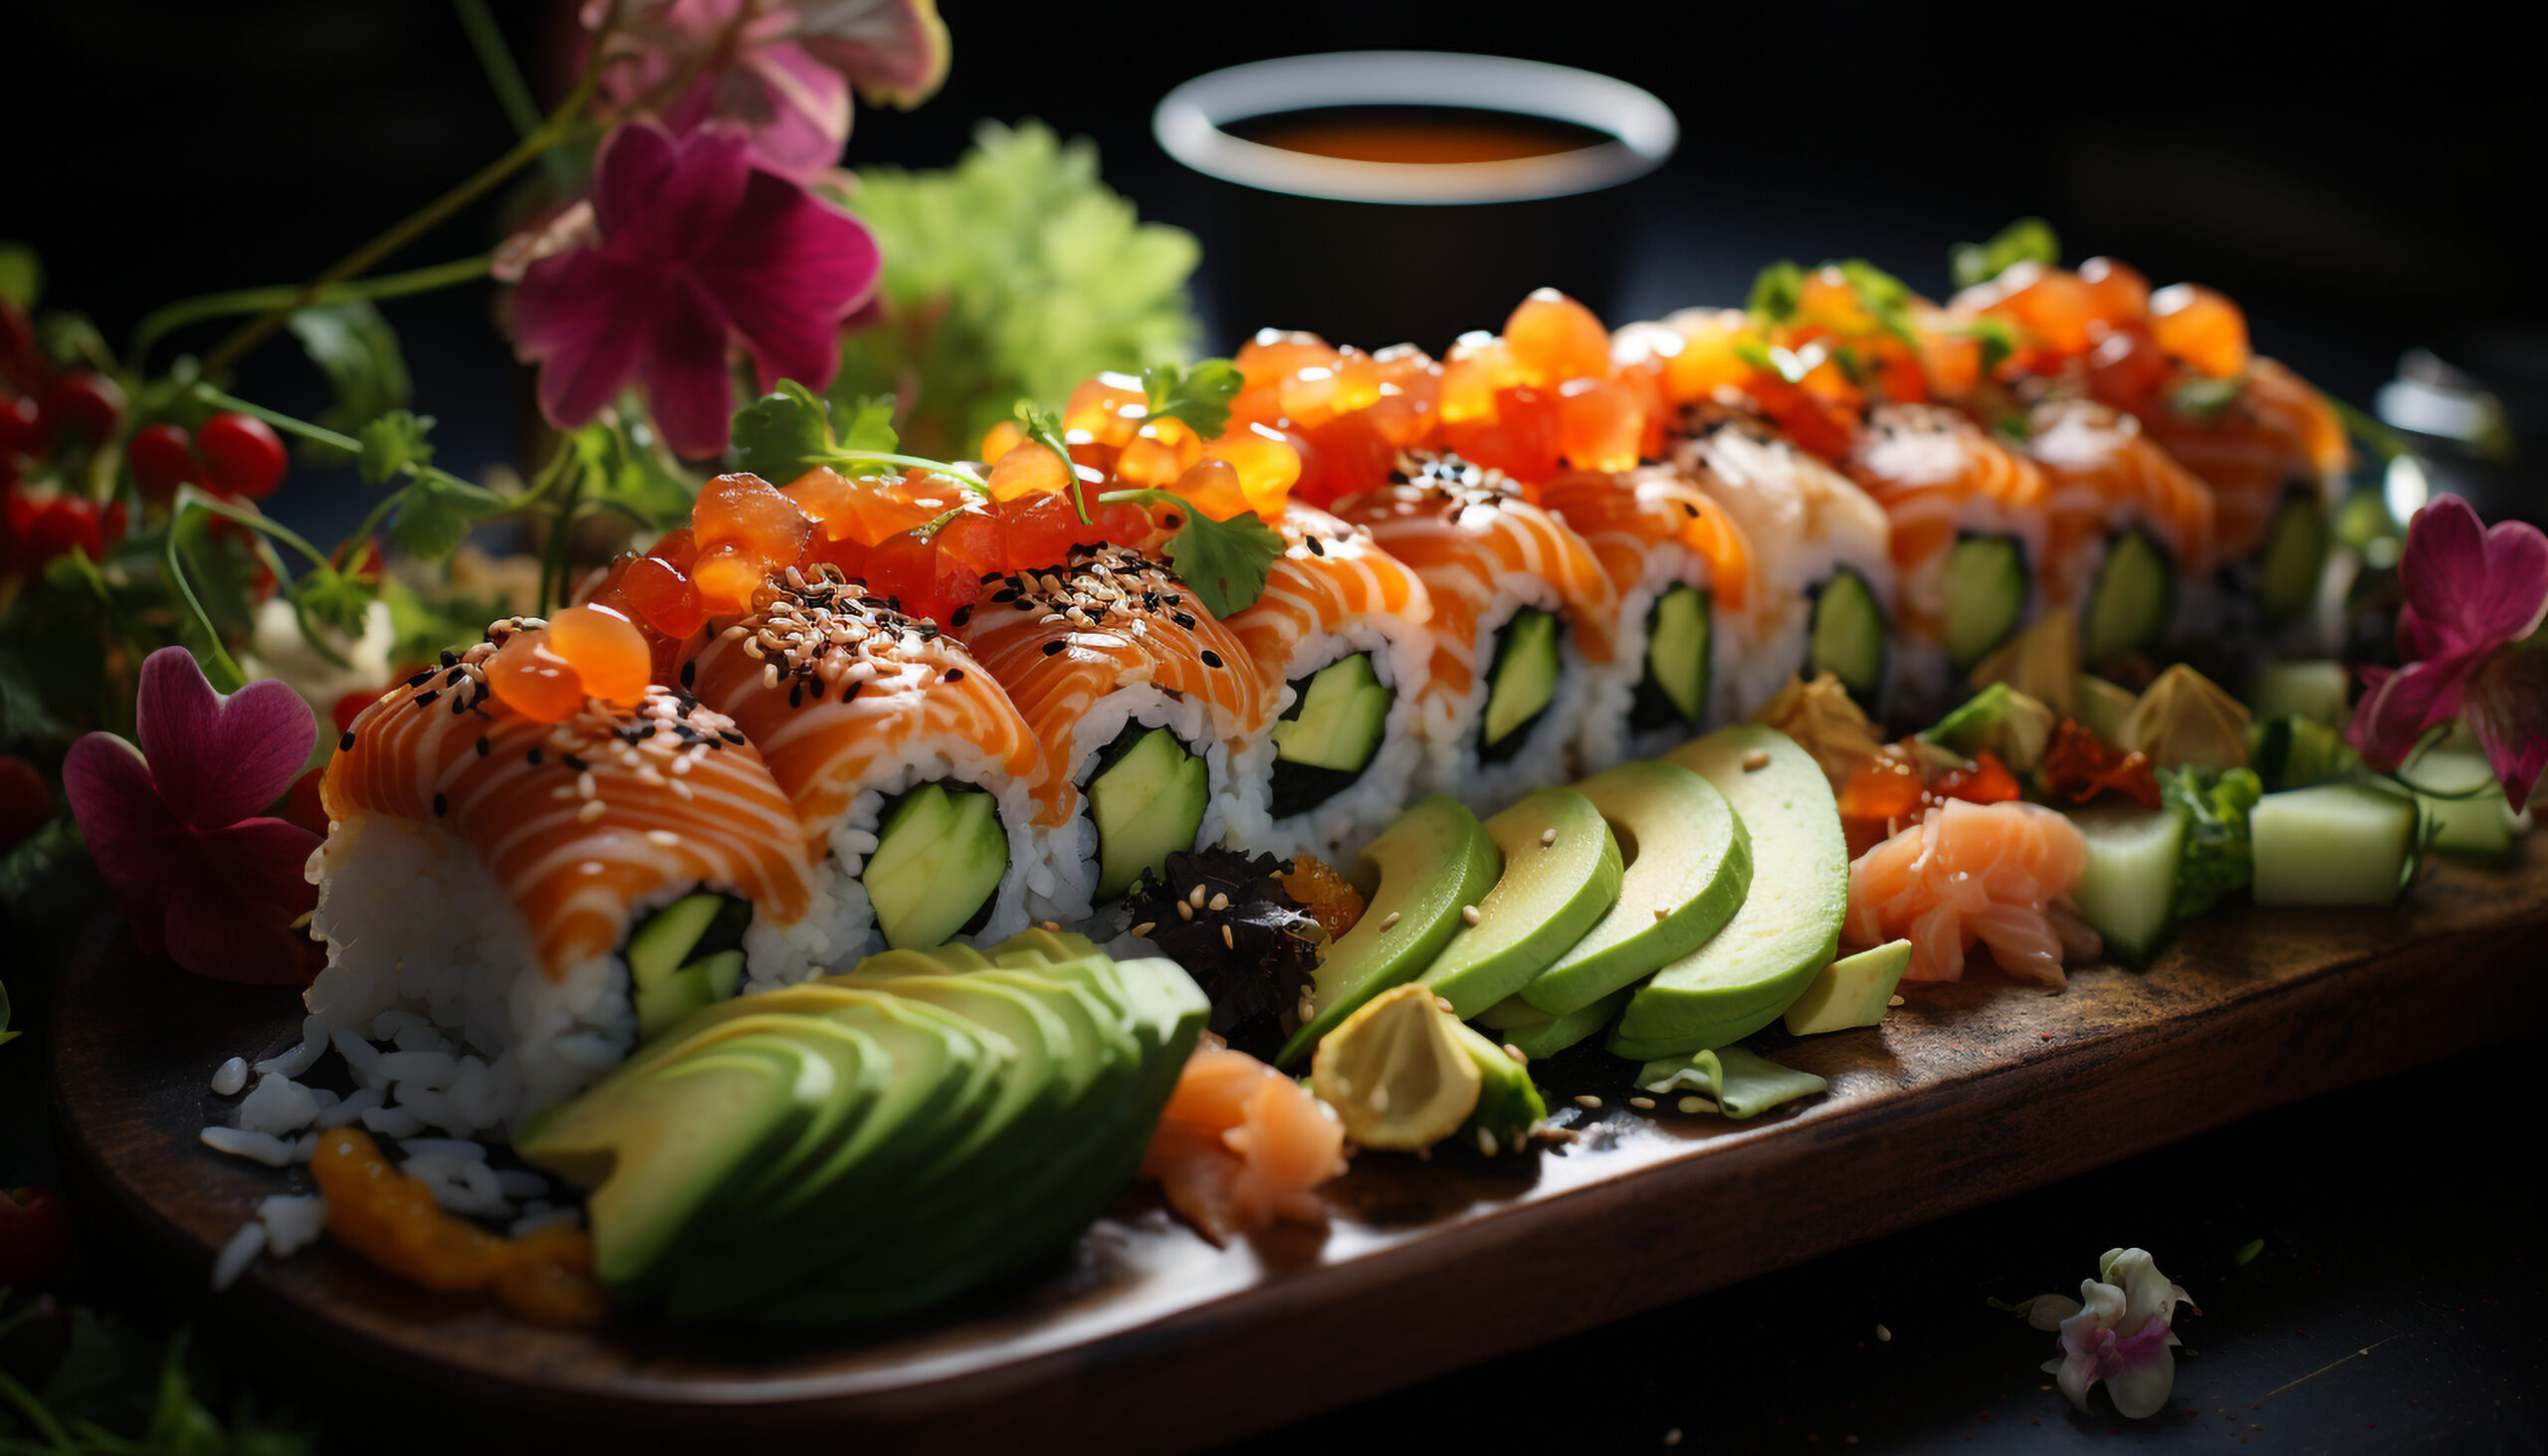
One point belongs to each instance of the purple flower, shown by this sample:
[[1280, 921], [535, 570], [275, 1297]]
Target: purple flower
[[2472, 593], [170, 823], [783, 72], [2117, 1331], [692, 248]]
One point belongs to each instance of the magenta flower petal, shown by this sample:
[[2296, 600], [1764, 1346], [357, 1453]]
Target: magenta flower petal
[[2506, 702], [663, 201], [217, 761], [133, 836], [2470, 588], [687, 386], [894, 51], [790, 269], [2400, 705], [793, 109], [232, 917], [578, 318]]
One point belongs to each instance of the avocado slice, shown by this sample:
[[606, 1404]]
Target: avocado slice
[[2294, 558], [1689, 862], [2131, 601], [1335, 718], [2103, 706], [660, 1146], [1434, 860], [1986, 590], [699, 984], [1521, 682], [1766, 955], [1147, 799], [1508, 1102], [1562, 873], [1536, 1033], [941, 854], [1854, 990], [1674, 690], [696, 925], [1847, 636], [2000, 721]]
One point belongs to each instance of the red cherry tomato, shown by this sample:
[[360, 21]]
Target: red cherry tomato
[[26, 802], [35, 1237], [72, 524], [163, 458], [243, 456], [84, 401]]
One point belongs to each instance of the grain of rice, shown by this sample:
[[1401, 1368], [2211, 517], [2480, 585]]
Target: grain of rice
[[264, 1147], [237, 1254], [291, 1222], [230, 1077]]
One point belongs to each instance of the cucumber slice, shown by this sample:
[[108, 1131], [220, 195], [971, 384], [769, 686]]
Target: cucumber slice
[[1674, 690], [2333, 844], [940, 856], [703, 983], [2315, 690], [1987, 586], [2294, 558], [1147, 799], [2129, 888], [664, 942], [2465, 809], [1521, 683], [2133, 598], [1335, 718], [1847, 639]]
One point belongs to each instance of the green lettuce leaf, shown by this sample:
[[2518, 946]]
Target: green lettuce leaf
[[2217, 860]]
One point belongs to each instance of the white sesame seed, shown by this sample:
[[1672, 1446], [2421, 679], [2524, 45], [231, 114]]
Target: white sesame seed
[[1486, 1142], [680, 790], [1144, 928], [1643, 1104], [585, 784], [1515, 1053], [1587, 1100], [592, 810], [1390, 919], [662, 837], [1755, 760], [1184, 912], [1444, 1002], [1469, 913], [1896, 1001], [1882, 1334], [1226, 942], [1548, 837], [1196, 898], [1662, 912], [1220, 902], [1379, 1099]]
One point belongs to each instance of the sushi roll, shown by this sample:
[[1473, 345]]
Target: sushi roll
[[1523, 613], [918, 788], [2132, 533], [540, 892], [1683, 569], [1824, 578], [1340, 639], [1138, 695], [1968, 526]]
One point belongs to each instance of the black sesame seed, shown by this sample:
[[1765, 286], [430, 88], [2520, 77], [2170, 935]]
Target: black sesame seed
[[423, 699], [442, 806], [729, 735], [1211, 659], [796, 696], [1315, 548], [960, 616], [1052, 648], [484, 746], [534, 756], [420, 679], [954, 675], [1182, 620], [1172, 520], [1693, 511], [573, 763], [449, 658], [689, 673], [851, 690], [346, 741]]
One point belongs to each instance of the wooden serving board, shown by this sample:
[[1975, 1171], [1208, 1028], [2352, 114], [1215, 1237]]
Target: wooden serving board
[[1154, 1339]]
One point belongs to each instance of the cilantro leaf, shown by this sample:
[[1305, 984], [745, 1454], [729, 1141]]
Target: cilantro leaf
[[334, 598], [1881, 295], [1200, 395], [2028, 240], [393, 443], [2203, 400], [1224, 561], [1999, 340], [782, 434], [359, 352], [1776, 292], [870, 425], [434, 519]]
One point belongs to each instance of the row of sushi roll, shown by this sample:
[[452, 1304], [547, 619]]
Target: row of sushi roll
[[890, 710]]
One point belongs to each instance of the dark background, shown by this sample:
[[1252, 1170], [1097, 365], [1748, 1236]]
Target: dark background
[[2359, 183]]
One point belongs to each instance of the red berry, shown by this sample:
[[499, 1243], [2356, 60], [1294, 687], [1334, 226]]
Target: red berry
[[20, 426], [86, 402], [161, 458], [35, 1237], [243, 456], [68, 524], [26, 802]]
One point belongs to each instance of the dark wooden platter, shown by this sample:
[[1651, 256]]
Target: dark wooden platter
[[1148, 1334]]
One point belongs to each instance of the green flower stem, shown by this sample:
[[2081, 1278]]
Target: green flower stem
[[561, 125], [162, 322], [227, 676], [561, 532], [487, 40], [346, 443], [955, 473]]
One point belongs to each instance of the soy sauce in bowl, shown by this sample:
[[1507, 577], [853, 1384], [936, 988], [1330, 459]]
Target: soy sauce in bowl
[[1430, 135]]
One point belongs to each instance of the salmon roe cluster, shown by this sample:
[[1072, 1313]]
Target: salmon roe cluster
[[1115, 445], [2127, 342], [390, 1218], [1899, 782], [547, 672]]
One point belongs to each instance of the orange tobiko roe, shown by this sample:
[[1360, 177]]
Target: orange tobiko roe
[[1519, 438], [604, 650], [529, 677], [868, 510], [1266, 464], [2117, 289], [746, 530], [1555, 339], [1324, 893], [1025, 469], [391, 1219], [2199, 326], [1601, 425], [1892, 787]]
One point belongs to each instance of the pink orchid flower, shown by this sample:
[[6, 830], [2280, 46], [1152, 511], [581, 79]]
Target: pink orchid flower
[[2473, 592], [175, 828], [692, 249], [2117, 1331], [782, 71]]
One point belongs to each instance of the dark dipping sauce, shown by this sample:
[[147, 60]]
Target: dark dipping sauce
[[1428, 135]]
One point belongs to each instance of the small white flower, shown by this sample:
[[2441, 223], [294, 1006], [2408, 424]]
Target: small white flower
[[2117, 1330]]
